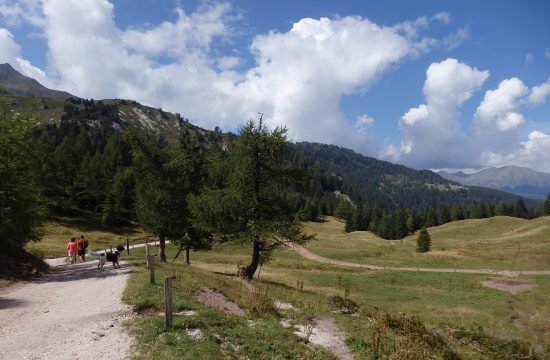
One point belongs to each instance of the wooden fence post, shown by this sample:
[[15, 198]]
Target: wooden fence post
[[151, 269], [167, 302], [147, 254], [127, 246]]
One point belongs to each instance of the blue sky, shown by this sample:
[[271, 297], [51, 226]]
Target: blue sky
[[429, 84]]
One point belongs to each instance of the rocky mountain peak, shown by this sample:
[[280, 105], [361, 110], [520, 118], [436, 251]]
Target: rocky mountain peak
[[13, 82]]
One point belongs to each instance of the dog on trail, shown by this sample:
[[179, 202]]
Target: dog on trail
[[112, 257]]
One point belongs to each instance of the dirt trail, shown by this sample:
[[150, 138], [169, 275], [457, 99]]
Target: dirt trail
[[508, 273], [74, 312]]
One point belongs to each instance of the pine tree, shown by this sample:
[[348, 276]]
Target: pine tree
[[242, 200], [445, 216], [546, 209], [520, 210], [20, 211], [424, 241], [165, 178], [401, 229], [431, 218], [457, 213]]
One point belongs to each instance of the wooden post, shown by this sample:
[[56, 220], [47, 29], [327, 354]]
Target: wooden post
[[127, 246], [111, 249], [147, 254], [151, 269], [167, 302]]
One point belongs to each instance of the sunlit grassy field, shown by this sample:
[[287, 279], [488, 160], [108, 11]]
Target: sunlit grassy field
[[443, 302], [58, 232], [500, 243]]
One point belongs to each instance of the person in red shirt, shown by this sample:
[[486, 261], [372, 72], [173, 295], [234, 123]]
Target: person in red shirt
[[81, 248], [72, 250]]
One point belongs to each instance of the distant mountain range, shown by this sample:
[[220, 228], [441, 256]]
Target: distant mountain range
[[12, 82], [360, 177], [518, 180]]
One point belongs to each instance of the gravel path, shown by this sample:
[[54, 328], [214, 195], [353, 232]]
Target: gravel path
[[308, 254], [74, 312]]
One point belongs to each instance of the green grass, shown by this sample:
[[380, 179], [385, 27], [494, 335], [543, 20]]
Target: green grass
[[506, 244], [58, 232], [257, 336], [455, 313]]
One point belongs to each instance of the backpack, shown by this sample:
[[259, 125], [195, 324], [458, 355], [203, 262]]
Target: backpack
[[86, 244]]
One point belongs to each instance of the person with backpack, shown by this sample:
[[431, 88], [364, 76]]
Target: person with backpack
[[82, 244]]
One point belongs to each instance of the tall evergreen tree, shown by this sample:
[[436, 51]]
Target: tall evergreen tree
[[520, 210], [20, 211], [431, 218], [424, 241], [401, 229], [546, 209], [163, 178], [244, 200], [445, 215]]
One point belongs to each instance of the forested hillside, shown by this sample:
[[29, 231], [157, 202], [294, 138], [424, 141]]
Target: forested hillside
[[391, 185], [85, 167]]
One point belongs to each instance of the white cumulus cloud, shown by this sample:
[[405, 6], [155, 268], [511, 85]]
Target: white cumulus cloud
[[499, 108], [10, 52], [539, 93], [430, 133], [532, 153], [297, 79]]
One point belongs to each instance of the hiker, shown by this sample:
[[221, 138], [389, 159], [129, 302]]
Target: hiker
[[72, 250], [82, 244]]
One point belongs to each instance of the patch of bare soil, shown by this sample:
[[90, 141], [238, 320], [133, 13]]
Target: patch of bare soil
[[324, 331], [217, 300], [508, 285]]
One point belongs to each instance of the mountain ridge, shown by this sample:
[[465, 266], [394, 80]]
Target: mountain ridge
[[361, 177], [13, 82], [519, 180]]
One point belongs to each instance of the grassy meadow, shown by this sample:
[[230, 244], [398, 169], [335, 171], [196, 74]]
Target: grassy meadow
[[500, 243], [57, 233], [404, 314]]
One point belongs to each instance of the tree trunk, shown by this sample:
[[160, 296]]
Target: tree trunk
[[251, 268], [186, 255], [162, 246]]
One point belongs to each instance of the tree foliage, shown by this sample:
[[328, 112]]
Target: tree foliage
[[164, 178], [245, 199], [424, 241], [20, 210]]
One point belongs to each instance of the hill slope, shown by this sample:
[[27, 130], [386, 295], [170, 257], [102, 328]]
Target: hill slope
[[499, 243], [392, 185], [361, 178]]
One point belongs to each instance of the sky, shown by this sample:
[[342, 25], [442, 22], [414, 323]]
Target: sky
[[455, 85]]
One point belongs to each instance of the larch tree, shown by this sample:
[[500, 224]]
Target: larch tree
[[163, 184], [243, 201]]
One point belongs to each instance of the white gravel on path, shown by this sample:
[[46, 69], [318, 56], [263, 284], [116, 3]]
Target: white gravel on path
[[74, 312]]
